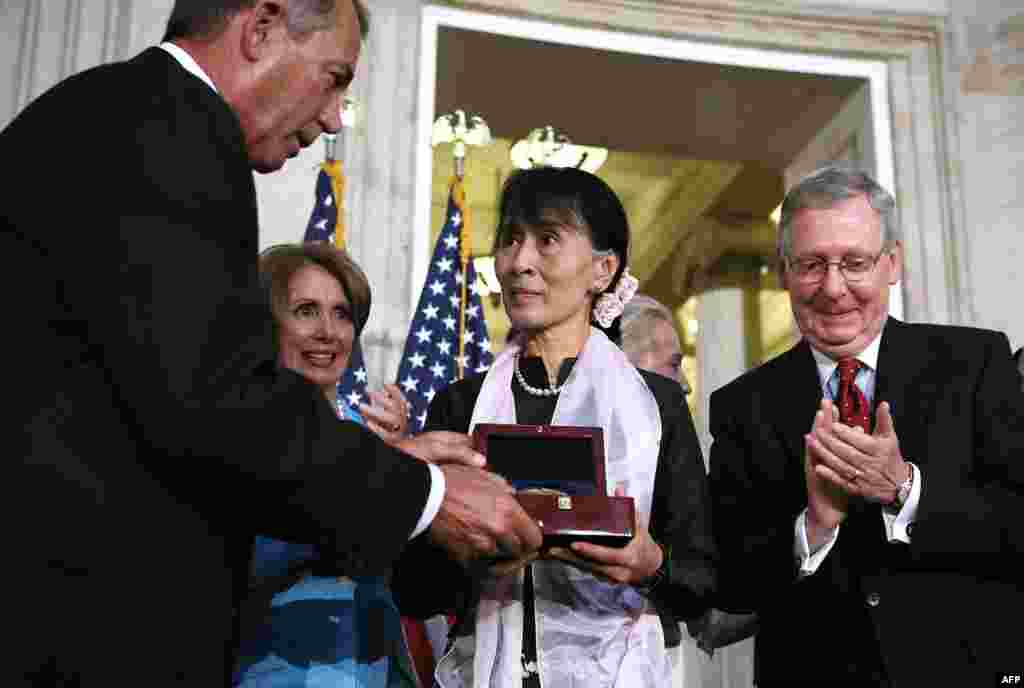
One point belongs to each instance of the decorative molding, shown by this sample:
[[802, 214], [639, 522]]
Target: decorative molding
[[763, 24]]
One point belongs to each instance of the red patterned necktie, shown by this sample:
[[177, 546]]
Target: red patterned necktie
[[853, 405]]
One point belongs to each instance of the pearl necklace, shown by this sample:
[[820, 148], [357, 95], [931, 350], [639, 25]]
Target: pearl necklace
[[536, 391]]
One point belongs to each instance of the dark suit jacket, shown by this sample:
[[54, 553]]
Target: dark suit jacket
[[152, 433], [679, 516], [929, 612]]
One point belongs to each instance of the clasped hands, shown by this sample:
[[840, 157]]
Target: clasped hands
[[479, 518], [842, 462], [479, 515]]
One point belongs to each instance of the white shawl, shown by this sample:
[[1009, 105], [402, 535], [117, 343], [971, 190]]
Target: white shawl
[[589, 632]]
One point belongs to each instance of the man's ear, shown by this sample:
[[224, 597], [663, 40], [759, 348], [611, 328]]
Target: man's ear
[[604, 271], [896, 256], [783, 273], [263, 26]]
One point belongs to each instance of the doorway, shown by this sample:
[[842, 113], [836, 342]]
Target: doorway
[[628, 92]]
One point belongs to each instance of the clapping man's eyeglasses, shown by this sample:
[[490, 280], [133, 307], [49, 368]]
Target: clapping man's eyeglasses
[[854, 268]]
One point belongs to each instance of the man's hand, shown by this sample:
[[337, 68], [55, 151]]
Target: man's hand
[[442, 447], [480, 517], [826, 497], [868, 466]]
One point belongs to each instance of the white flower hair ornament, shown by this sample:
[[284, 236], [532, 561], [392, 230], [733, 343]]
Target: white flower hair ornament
[[609, 305]]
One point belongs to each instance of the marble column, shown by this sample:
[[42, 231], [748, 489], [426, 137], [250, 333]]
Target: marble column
[[725, 349], [379, 160]]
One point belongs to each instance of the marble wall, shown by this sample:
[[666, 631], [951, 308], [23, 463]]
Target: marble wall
[[988, 68]]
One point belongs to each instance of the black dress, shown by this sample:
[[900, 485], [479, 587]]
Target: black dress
[[679, 510]]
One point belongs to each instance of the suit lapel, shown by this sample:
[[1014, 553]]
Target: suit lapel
[[897, 366], [799, 394]]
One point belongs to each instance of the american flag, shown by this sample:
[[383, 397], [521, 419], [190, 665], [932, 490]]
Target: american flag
[[323, 226], [432, 349]]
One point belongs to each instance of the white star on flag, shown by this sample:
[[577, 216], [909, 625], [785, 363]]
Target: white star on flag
[[354, 398], [430, 353], [360, 375]]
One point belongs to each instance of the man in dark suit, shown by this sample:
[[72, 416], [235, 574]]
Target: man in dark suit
[[152, 431], [868, 484]]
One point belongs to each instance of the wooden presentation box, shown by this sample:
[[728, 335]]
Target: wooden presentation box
[[558, 472]]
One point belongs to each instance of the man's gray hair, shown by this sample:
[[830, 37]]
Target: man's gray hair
[[827, 187], [207, 19], [638, 318]]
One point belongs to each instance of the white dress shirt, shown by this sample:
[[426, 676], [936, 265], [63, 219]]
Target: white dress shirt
[[895, 524], [437, 482]]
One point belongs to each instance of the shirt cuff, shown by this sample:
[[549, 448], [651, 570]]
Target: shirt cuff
[[434, 500], [896, 524], [808, 561]]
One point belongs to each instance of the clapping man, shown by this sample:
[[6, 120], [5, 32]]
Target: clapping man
[[868, 484]]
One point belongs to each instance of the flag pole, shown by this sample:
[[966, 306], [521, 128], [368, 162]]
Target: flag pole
[[462, 131], [332, 168], [459, 196]]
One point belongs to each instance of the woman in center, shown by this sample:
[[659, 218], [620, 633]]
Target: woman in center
[[587, 615]]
